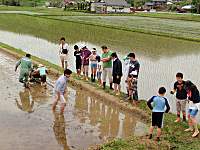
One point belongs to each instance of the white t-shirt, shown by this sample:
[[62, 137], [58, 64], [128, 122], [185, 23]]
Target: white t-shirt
[[194, 106], [65, 46]]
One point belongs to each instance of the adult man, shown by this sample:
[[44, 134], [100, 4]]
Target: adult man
[[26, 67], [107, 66]]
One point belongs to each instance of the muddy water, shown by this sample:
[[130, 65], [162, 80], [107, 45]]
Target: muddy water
[[160, 61], [27, 122]]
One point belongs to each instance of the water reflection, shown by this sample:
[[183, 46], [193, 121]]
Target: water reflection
[[59, 130], [111, 121], [26, 103]]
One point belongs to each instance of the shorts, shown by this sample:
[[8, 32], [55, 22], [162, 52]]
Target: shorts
[[78, 65], [116, 80], [43, 78], [93, 66], [180, 105], [157, 119], [62, 98], [193, 112], [63, 57], [99, 75]]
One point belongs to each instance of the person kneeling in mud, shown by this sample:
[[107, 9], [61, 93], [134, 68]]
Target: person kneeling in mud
[[157, 104], [60, 90], [25, 69], [194, 103], [42, 72]]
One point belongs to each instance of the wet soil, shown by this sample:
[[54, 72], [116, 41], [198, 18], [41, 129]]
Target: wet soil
[[27, 122]]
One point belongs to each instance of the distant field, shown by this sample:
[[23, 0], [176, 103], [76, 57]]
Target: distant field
[[168, 27], [59, 11]]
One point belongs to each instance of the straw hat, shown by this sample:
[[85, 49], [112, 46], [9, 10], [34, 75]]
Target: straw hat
[[40, 65]]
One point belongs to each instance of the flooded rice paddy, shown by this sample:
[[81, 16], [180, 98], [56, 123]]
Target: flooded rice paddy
[[28, 123]]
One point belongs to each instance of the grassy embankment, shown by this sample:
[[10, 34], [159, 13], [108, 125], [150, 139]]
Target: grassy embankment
[[173, 133]]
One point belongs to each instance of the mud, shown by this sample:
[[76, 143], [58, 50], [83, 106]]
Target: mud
[[27, 122]]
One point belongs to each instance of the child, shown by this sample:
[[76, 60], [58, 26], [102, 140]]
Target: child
[[181, 96], [194, 102], [93, 63], [77, 54], [25, 70], [85, 53], [42, 71], [60, 88], [116, 73], [134, 67], [157, 105], [99, 72]]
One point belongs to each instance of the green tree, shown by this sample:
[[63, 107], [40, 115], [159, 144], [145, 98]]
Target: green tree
[[196, 3]]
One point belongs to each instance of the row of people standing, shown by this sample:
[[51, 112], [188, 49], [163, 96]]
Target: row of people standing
[[108, 65]]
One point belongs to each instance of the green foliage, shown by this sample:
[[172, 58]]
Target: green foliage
[[31, 3], [196, 3]]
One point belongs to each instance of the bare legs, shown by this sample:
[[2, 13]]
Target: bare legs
[[151, 132], [59, 97]]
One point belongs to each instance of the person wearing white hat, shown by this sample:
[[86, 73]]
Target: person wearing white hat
[[42, 71], [93, 62]]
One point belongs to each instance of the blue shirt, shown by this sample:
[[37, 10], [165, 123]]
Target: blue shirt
[[158, 104], [61, 84], [42, 71]]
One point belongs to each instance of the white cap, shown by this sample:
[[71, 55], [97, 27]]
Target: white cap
[[40, 65], [134, 73]]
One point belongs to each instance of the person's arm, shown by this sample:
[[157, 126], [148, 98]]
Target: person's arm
[[89, 55], [149, 103], [167, 105], [174, 89], [60, 49], [107, 59], [17, 65], [137, 68], [120, 68], [46, 70]]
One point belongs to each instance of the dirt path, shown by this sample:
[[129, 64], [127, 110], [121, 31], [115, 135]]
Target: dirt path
[[27, 122]]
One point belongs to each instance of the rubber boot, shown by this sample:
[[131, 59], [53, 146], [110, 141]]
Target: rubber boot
[[104, 85], [92, 77], [184, 118], [111, 86]]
